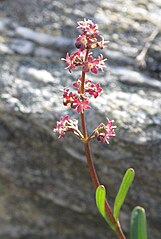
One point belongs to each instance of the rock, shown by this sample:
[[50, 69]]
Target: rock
[[43, 39], [23, 47], [4, 49], [43, 52], [46, 190], [39, 75], [4, 24], [134, 78]]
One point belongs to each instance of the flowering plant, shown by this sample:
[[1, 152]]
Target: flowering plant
[[79, 101]]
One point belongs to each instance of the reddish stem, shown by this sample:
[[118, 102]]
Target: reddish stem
[[96, 184], [83, 73], [91, 165]]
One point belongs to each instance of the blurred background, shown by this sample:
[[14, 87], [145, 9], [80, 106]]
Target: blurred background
[[45, 188]]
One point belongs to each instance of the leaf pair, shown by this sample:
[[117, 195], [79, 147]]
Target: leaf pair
[[101, 196]]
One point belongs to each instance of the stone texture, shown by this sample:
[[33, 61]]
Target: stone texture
[[45, 188], [44, 52], [4, 49], [43, 39], [23, 47]]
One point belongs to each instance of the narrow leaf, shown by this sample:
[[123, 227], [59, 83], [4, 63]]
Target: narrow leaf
[[100, 202], [138, 227], [100, 199], [126, 182]]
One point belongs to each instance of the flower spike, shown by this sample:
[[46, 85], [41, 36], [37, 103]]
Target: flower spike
[[78, 100]]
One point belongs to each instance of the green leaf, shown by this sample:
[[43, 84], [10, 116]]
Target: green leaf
[[126, 182], [100, 199], [138, 227], [100, 202]]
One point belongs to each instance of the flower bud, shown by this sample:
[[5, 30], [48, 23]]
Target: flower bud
[[80, 45]]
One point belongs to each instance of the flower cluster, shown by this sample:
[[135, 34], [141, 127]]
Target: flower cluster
[[78, 58], [89, 87], [65, 125], [94, 64], [75, 59], [105, 132], [79, 100], [86, 41], [89, 37], [76, 101]]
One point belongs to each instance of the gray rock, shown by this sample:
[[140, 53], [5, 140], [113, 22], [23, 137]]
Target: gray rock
[[43, 52], [21, 46], [4, 49], [44, 39], [38, 75], [46, 191], [135, 78], [4, 23]]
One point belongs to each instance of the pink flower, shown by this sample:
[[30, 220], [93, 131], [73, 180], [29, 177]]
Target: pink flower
[[88, 28], [80, 105], [77, 84], [89, 37], [102, 43], [64, 125], [75, 59], [94, 64], [90, 65], [92, 89], [100, 63], [89, 87], [75, 100], [68, 97], [84, 42], [105, 132], [70, 64]]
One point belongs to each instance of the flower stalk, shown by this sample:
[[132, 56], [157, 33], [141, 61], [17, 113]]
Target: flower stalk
[[79, 101], [91, 167]]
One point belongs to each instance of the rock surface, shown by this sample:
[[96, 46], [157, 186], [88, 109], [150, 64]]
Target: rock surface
[[45, 188]]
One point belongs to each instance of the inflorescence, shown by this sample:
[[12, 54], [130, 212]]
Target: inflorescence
[[79, 100]]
